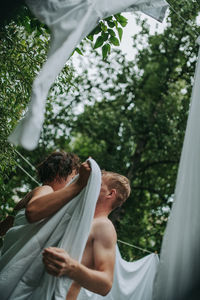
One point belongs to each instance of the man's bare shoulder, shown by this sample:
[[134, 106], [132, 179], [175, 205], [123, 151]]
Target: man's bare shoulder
[[104, 230], [102, 223]]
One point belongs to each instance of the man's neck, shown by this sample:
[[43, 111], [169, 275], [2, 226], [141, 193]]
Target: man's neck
[[101, 211]]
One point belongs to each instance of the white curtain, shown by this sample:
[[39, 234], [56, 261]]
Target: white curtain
[[178, 275], [69, 21]]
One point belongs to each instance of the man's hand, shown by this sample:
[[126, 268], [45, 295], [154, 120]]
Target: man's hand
[[57, 262], [84, 174]]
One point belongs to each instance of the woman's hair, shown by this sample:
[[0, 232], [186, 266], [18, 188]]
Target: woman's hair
[[58, 165], [118, 182]]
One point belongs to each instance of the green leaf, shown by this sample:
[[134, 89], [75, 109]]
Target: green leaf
[[28, 27], [111, 32], [111, 24], [114, 41], [109, 18], [105, 51], [105, 36], [23, 42], [120, 32], [79, 51], [90, 37], [103, 27], [99, 42], [96, 30], [121, 19], [117, 16]]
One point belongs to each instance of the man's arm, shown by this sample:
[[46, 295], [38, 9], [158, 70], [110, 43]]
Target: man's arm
[[45, 202], [98, 280]]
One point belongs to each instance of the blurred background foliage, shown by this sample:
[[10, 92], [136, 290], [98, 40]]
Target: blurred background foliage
[[130, 116]]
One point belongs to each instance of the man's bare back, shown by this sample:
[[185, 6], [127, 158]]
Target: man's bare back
[[101, 243]]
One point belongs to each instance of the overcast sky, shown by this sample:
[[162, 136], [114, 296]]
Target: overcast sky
[[132, 28]]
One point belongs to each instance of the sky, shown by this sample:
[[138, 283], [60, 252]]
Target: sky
[[132, 28]]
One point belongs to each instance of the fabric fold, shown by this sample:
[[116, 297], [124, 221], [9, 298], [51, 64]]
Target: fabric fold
[[178, 275]]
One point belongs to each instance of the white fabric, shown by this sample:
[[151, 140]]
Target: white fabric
[[22, 273], [132, 280], [178, 276], [69, 21]]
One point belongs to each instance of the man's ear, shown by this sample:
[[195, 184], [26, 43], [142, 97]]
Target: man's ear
[[112, 193]]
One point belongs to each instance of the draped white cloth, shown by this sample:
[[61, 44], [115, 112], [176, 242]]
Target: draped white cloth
[[132, 280], [178, 276], [69, 21], [22, 274]]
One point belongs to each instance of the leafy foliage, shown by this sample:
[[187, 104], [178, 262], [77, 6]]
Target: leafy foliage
[[109, 33], [24, 44]]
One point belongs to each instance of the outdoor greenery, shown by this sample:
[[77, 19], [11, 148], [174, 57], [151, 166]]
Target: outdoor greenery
[[130, 116]]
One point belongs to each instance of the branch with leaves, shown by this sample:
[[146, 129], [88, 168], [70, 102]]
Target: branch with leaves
[[108, 33]]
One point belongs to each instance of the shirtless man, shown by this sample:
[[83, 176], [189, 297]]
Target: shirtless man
[[96, 270]]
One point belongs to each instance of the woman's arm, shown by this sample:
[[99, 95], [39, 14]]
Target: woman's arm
[[45, 202]]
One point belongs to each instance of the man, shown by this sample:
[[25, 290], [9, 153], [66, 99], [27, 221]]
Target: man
[[96, 270]]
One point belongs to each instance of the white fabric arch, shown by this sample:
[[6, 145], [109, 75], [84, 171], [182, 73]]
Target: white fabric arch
[[132, 280], [69, 21]]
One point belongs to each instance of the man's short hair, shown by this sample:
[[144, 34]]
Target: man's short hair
[[57, 166], [118, 182]]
